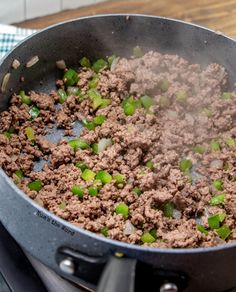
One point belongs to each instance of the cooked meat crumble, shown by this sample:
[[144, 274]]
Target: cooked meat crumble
[[155, 162]]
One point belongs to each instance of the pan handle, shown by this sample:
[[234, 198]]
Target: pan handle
[[118, 275]]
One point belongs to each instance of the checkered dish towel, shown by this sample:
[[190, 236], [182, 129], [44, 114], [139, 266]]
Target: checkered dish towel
[[10, 36]]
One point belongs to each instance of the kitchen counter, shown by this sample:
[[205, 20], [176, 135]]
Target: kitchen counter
[[215, 14]]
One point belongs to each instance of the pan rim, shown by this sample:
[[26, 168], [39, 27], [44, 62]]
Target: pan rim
[[118, 244]]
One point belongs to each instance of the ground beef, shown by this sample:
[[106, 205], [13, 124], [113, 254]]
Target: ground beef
[[191, 118]]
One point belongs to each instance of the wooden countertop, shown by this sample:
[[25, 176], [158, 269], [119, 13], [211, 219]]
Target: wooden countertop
[[214, 14]]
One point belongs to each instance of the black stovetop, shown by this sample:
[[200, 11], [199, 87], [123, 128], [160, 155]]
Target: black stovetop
[[18, 270]]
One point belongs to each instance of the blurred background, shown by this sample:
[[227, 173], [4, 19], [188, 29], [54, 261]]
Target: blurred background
[[36, 14]]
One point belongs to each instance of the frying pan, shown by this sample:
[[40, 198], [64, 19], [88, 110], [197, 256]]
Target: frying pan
[[80, 255]]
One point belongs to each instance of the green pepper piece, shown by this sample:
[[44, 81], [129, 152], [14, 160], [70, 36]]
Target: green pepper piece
[[202, 229], [164, 85], [105, 102], [226, 95], [94, 82], [147, 238], [85, 62], [19, 173], [99, 120], [218, 184], [215, 220], [122, 209], [215, 145], [185, 165], [35, 185], [224, 232], [34, 112], [81, 165], [93, 191], [99, 65], [9, 132], [70, 77], [25, 98], [104, 177], [89, 125], [137, 191], [168, 209], [153, 233], [181, 96], [77, 191], [129, 109], [104, 231], [149, 164], [29, 131], [230, 142], [88, 175], [217, 200], [78, 144], [62, 95], [119, 178], [94, 147], [200, 149], [147, 101]]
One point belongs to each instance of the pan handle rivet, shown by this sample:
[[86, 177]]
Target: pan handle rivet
[[168, 287], [67, 266]]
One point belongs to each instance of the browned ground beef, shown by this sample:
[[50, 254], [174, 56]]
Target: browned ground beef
[[166, 134]]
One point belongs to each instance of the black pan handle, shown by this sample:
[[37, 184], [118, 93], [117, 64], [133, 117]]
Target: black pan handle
[[118, 275]]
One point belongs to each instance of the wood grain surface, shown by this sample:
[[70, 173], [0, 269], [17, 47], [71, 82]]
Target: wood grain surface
[[215, 14]]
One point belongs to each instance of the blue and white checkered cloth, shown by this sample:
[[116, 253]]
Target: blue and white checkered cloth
[[10, 36]]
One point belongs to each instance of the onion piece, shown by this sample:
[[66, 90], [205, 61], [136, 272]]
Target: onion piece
[[72, 90], [218, 240], [5, 82], [114, 63], [172, 114], [176, 214], [129, 228], [32, 62], [39, 201], [189, 118], [15, 64], [103, 144], [217, 163], [206, 212], [61, 64]]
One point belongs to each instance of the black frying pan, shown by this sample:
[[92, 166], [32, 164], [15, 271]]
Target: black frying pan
[[78, 254]]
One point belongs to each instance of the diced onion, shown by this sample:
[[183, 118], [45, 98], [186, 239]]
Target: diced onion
[[5, 82], [129, 228], [189, 118], [103, 144], [206, 212], [61, 64], [32, 62], [172, 114], [177, 214], [114, 63], [39, 201], [15, 64], [218, 240], [216, 163], [72, 90]]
